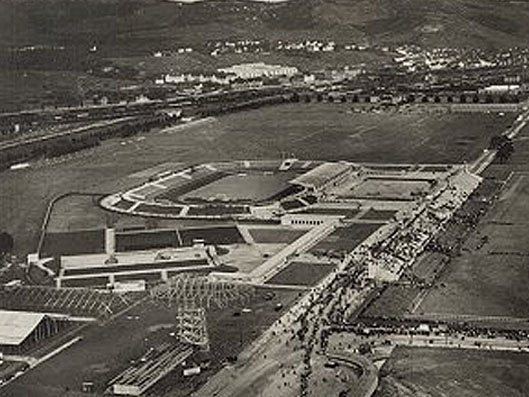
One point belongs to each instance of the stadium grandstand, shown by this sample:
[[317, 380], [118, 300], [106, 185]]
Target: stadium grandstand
[[104, 257], [224, 190], [324, 176]]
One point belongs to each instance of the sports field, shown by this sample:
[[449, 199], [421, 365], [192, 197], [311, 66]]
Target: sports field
[[253, 187], [432, 372], [315, 131], [378, 215], [275, 235], [299, 273], [346, 238], [383, 189]]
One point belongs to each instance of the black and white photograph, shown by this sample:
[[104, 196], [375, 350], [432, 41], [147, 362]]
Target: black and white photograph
[[264, 198]]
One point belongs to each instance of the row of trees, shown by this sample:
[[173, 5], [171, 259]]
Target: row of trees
[[6, 243], [63, 145], [504, 147]]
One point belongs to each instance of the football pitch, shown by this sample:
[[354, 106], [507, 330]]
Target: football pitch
[[253, 187]]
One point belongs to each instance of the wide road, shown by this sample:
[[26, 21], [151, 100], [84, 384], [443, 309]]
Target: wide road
[[452, 341]]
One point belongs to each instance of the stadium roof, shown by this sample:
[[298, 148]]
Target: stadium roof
[[15, 327], [320, 175]]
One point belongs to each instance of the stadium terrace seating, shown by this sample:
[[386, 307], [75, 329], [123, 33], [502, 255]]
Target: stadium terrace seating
[[349, 213], [147, 191], [212, 235], [201, 177], [292, 204], [85, 282], [131, 268], [293, 189], [148, 277], [211, 210], [123, 204], [159, 209], [310, 199], [173, 181], [264, 165]]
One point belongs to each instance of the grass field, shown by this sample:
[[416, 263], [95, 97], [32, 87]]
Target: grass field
[[321, 131], [491, 277], [346, 238], [428, 265], [378, 215], [243, 187], [299, 273], [412, 372], [389, 189], [74, 243], [393, 302], [275, 235]]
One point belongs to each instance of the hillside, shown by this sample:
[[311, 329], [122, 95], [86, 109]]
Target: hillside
[[61, 32], [132, 26]]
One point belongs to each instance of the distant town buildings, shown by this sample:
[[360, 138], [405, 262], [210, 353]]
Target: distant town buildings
[[501, 89], [259, 69]]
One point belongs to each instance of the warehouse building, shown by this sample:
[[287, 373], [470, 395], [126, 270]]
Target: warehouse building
[[19, 331]]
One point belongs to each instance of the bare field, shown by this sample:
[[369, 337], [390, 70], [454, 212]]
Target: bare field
[[492, 274], [412, 372], [316, 131], [482, 285], [77, 213]]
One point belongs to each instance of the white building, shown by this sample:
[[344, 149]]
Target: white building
[[308, 221], [501, 89], [260, 69]]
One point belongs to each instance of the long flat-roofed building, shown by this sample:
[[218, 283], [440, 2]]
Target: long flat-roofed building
[[259, 69]]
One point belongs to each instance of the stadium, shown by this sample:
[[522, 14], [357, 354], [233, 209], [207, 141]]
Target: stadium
[[233, 235], [230, 190], [254, 216]]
